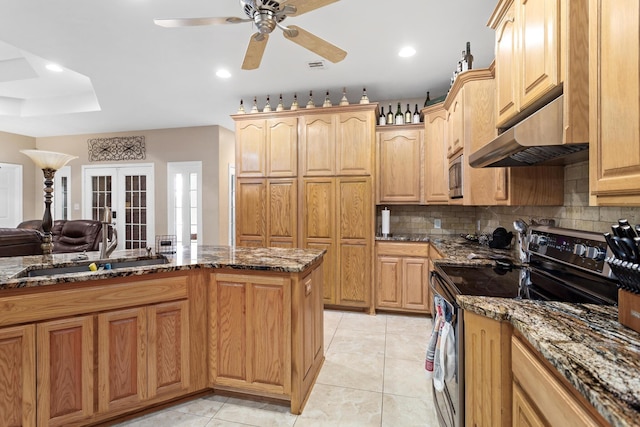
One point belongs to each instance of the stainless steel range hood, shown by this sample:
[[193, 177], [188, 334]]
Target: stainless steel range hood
[[535, 140]]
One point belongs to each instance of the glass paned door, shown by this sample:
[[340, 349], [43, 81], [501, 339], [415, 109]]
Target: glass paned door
[[129, 193], [184, 197]]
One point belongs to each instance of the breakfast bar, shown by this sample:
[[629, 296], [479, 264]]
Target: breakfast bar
[[90, 340]]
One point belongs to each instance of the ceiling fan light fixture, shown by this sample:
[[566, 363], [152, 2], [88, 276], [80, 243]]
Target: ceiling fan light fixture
[[223, 73], [407, 52]]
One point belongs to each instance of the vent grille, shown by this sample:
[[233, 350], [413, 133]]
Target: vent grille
[[316, 65]]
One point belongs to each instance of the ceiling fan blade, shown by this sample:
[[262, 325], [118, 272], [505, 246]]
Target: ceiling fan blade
[[304, 6], [255, 50], [192, 22], [315, 44]]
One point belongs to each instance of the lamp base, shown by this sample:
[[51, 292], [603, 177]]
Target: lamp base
[[47, 244]]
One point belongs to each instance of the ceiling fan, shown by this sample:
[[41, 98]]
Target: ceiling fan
[[267, 15]]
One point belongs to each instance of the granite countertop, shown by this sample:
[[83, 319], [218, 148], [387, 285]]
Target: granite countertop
[[241, 258], [589, 347]]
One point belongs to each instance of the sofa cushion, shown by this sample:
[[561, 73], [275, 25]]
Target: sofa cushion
[[76, 235], [20, 242]]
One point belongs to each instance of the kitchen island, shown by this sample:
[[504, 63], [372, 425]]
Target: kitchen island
[[91, 346]]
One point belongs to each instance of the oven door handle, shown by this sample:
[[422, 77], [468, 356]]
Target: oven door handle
[[442, 293]]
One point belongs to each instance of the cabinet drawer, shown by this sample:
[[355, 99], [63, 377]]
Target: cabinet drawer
[[403, 249]]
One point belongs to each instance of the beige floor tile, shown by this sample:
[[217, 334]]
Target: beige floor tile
[[413, 324], [364, 322], [256, 413], [204, 407], [168, 418], [362, 371], [222, 423], [332, 318], [338, 406], [406, 378], [405, 346], [358, 342], [407, 412]]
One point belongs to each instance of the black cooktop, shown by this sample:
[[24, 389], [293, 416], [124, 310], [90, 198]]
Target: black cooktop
[[495, 281]]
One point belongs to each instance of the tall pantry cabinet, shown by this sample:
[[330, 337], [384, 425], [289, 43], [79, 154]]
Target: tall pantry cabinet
[[304, 179]]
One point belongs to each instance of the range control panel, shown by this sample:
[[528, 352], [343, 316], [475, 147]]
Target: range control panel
[[586, 250]]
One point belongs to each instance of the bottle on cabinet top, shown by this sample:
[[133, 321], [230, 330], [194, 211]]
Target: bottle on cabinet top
[[416, 115], [468, 56], [382, 120], [407, 115], [390, 119], [399, 118]]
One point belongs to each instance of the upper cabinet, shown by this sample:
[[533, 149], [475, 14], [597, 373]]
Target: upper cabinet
[[337, 143], [540, 50], [614, 148], [400, 164], [436, 186], [266, 147]]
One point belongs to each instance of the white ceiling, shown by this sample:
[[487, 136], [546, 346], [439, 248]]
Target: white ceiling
[[128, 74]]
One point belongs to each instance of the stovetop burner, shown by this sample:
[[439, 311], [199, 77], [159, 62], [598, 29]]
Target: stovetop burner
[[497, 281]]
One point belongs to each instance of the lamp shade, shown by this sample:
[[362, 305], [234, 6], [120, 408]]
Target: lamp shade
[[48, 159]]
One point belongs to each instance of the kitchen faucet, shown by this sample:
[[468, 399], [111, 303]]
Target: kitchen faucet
[[107, 250]]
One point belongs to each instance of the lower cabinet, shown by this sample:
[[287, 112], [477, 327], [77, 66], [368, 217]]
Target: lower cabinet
[[402, 276], [18, 376]]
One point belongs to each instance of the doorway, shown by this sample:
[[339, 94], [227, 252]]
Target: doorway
[[129, 192], [10, 195], [184, 197]]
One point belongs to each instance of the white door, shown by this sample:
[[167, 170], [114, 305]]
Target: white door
[[129, 192], [62, 193], [184, 196], [11, 195]]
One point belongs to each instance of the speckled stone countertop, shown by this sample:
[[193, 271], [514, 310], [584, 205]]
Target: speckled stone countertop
[[12, 269], [585, 342]]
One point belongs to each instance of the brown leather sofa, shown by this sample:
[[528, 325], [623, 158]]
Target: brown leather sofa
[[77, 235]]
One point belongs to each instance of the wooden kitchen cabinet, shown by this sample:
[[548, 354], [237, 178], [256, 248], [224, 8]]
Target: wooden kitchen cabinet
[[540, 50], [142, 355], [337, 216], [614, 88], [65, 365], [400, 164], [266, 147], [455, 124], [436, 184], [487, 371], [338, 143], [541, 397], [255, 353], [18, 375], [402, 276], [266, 212]]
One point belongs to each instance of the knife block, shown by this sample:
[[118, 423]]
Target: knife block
[[629, 309]]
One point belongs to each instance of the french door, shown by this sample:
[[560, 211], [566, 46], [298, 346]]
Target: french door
[[129, 192], [11, 195]]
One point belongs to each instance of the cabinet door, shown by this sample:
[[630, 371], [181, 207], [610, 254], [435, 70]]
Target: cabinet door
[[539, 48], [400, 162], [506, 70], [65, 371], [250, 148], [168, 357], [524, 412], [251, 332], [614, 151], [389, 282], [251, 212], [486, 369], [455, 124], [415, 283], [318, 223], [282, 208], [312, 321], [122, 359], [354, 143], [318, 141], [282, 146], [18, 376], [436, 173]]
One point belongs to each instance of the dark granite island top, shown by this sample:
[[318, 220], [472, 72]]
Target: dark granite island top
[[584, 342], [13, 269]]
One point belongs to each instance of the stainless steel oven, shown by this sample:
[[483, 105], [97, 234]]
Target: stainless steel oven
[[455, 177], [564, 265]]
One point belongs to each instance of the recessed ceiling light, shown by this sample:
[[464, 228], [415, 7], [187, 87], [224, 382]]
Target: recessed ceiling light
[[223, 74], [407, 51], [54, 67]]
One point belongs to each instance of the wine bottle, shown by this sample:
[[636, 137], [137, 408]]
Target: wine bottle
[[390, 116], [382, 120], [416, 115], [399, 119], [463, 62], [426, 101], [407, 115], [468, 56]]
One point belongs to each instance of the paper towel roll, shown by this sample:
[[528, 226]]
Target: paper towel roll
[[385, 221]]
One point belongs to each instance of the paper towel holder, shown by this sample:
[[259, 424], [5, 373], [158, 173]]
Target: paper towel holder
[[385, 222]]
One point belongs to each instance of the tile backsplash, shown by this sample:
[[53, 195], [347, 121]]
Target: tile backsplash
[[575, 213]]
